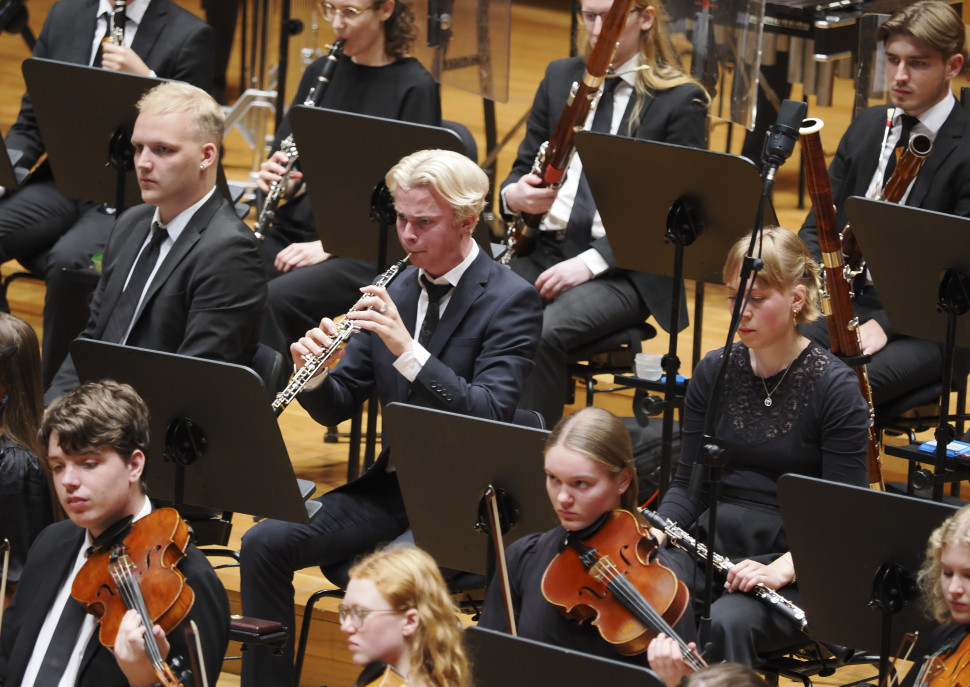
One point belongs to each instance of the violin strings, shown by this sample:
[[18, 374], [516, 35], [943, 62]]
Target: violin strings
[[632, 599], [127, 583]]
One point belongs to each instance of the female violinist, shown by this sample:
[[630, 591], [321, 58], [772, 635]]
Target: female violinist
[[95, 439], [397, 612], [788, 406], [25, 503], [589, 472], [944, 581]]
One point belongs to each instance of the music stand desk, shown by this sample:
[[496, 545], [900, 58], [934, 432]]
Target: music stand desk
[[839, 537], [501, 660], [444, 461], [244, 466], [343, 156]]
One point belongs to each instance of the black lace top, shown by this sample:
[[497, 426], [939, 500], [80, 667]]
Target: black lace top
[[815, 425]]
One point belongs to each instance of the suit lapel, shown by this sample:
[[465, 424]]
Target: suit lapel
[[62, 550], [947, 140], [84, 40], [470, 287], [407, 306], [114, 282], [149, 28], [188, 238]]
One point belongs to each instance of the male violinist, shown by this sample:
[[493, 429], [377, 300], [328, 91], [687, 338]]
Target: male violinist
[[925, 49], [96, 439]]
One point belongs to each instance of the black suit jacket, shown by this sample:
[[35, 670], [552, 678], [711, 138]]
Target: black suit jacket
[[676, 115], [481, 351], [943, 184], [173, 42], [49, 562], [206, 300]]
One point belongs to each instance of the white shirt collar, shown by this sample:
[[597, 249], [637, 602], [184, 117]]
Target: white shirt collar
[[133, 12], [932, 120], [453, 276], [182, 219]]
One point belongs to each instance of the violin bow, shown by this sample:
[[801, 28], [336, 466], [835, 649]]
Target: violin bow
[[501, 567], [5, 547], [194, 644]]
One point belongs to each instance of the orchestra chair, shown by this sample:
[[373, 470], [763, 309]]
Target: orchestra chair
[[12, 277], [610, 355], [801, 664], [459, 582]]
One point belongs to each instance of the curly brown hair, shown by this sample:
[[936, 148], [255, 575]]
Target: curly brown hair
[[400, 29]]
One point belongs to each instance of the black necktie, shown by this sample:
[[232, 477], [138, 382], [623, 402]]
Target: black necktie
[[107, 35], [435, 293], [580, 225], [908, 122], [120, 319]]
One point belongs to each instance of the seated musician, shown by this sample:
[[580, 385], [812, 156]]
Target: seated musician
[[788, 406], [95, 439], [25, 502], [182, 273], [646, 95], [374, 76], [398, 614], [667, 661], [454, 331], [944, 582], [589, 473], [925, 46]]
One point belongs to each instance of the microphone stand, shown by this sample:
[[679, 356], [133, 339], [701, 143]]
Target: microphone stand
[[779, 145]]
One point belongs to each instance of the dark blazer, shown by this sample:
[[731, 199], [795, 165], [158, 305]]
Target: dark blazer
[[481, 351], [173, 42], [49, 562], [943, 184], [676, 115], [206, 300]]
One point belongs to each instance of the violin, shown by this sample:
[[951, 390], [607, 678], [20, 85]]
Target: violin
[[609, 573], [949, 667], [379, 674], [140, 574]]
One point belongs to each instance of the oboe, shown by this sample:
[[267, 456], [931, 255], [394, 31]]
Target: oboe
[[345, 330], [288, 146], [681, 539]]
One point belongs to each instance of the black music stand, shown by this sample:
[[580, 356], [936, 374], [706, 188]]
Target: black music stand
[[645, 216], [855, 574], [11, 175], [444, 462], [501, 660], [215, 442], [88, 143], [917, 305], [344, 158]]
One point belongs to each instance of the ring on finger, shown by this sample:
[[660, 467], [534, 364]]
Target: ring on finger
[[383, 307]]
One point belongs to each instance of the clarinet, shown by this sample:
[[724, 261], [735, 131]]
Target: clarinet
[[553, 156], [345, 330], [116, 24], [288, 145], [681, 539]]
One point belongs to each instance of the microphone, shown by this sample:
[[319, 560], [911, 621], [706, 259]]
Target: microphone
[[782, 135]]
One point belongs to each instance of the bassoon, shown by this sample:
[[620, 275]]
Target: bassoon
[[554, 155], [842, 324]]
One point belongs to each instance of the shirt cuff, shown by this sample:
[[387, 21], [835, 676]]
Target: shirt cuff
[[594, 261], [409, 363]]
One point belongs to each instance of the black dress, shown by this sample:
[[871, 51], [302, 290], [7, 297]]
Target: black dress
[[816, 426], [25, 502]]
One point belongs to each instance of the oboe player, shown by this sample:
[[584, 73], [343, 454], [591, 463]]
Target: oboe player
[[454, 331], [925, 48]]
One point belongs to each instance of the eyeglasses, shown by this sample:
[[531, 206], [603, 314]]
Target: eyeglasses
[[357, 615], [589, 18], [346, 13]]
